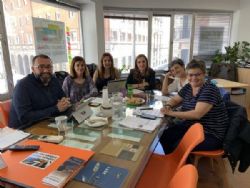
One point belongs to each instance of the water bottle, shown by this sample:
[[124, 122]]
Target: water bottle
[[130, 90]]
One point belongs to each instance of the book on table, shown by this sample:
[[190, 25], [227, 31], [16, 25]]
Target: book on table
[[29, 168], [9, 136], [102, 175]]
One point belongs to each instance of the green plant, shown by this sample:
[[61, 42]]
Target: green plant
[[245, 51], [240, 51]]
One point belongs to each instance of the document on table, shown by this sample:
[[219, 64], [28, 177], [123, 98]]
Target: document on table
[[142, 124], [146, 110], [10, 136], [162, 98]]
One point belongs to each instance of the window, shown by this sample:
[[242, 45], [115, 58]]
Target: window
[[71, 14], [190, 35], [160, 41], [212, 32], [126, 31], [182, 36], [20, 33], [57, 16], [3, 78]]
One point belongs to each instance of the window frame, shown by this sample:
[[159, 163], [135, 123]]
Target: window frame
[[6, 57], [171, 13]]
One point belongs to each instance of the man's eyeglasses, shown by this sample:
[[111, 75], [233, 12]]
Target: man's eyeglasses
[[194, 75], [41, 66]]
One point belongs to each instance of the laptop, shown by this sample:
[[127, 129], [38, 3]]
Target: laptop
[[116, 86]]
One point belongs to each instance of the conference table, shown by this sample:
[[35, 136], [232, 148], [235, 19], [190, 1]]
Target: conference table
[[147, 142]]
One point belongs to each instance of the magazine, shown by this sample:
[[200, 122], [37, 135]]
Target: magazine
[[40, 160], [63, 173]]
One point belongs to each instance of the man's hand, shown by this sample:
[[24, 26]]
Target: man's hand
[[63, 104]]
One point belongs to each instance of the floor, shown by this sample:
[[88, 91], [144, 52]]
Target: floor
[[219, 177]]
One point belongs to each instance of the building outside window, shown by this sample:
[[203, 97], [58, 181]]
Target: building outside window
[[20, 32], [211, 33], [125, 48]]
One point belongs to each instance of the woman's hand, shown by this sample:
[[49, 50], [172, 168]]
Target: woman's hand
[[166, 110]]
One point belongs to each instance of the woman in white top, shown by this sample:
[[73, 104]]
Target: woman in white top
[[176, 72]]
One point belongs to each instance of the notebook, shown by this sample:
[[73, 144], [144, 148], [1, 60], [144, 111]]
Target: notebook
[[116, 86]]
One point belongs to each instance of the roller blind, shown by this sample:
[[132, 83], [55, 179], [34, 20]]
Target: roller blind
[[212, 32]]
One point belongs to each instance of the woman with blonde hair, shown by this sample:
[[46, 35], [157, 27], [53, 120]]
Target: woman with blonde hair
[[105, 72], [142, 76], [79, 85]]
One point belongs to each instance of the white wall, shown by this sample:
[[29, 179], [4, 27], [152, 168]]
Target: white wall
[[93, 37], [176, 4], [244, 21]]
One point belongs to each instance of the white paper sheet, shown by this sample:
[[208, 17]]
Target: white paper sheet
[[10, 136], [142, 124]]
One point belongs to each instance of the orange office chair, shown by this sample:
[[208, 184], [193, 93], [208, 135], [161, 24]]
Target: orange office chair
[[214, 154], [4, 112], [186, 177], [161, 168]]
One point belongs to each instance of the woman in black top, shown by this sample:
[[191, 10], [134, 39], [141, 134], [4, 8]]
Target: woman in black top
[[142, 76], [105, 72]]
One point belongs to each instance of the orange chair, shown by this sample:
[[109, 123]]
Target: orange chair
[[186, 177], [4, 112], [161, 168], [214, 154]]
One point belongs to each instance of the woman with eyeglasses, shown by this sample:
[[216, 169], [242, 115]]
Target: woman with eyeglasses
[[142, 76], [178, 74], [201, 102], [105, 72], [79, 85]]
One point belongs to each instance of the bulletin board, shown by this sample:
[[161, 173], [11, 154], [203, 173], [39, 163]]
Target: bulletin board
[[50, 39]]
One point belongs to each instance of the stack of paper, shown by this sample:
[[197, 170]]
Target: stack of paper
[[140, 123], [10, 136], [162, 98]]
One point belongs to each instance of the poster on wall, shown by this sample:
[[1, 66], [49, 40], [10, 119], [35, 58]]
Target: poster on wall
[[50, 39]]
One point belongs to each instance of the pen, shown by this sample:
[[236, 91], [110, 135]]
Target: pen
[[146, 108]]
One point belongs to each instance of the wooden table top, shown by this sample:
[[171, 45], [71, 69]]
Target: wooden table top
[[230, 84]]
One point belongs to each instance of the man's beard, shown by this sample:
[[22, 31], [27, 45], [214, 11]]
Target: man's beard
[[44, 78]]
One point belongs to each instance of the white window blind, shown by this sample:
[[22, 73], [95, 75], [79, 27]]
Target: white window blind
[[212, 32]]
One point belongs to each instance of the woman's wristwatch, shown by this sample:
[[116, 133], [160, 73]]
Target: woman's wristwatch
[[168, 105]]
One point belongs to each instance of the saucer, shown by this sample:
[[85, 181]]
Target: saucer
[[96, 122]]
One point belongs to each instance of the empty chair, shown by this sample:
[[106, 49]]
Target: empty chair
[[4, 112], [61, 75], [161, 168], [186, 177]]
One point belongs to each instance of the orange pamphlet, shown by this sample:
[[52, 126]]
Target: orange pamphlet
[[22, 172]]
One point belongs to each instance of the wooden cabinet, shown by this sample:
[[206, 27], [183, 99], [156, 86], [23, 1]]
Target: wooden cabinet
[[244, 77]]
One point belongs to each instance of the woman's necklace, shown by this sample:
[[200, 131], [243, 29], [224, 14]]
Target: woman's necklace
[[79, 80]]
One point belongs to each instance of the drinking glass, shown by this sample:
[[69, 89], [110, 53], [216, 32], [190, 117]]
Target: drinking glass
[[117, 106], [61, 123]]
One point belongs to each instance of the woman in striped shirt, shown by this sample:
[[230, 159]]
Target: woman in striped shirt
[[201, 102]]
